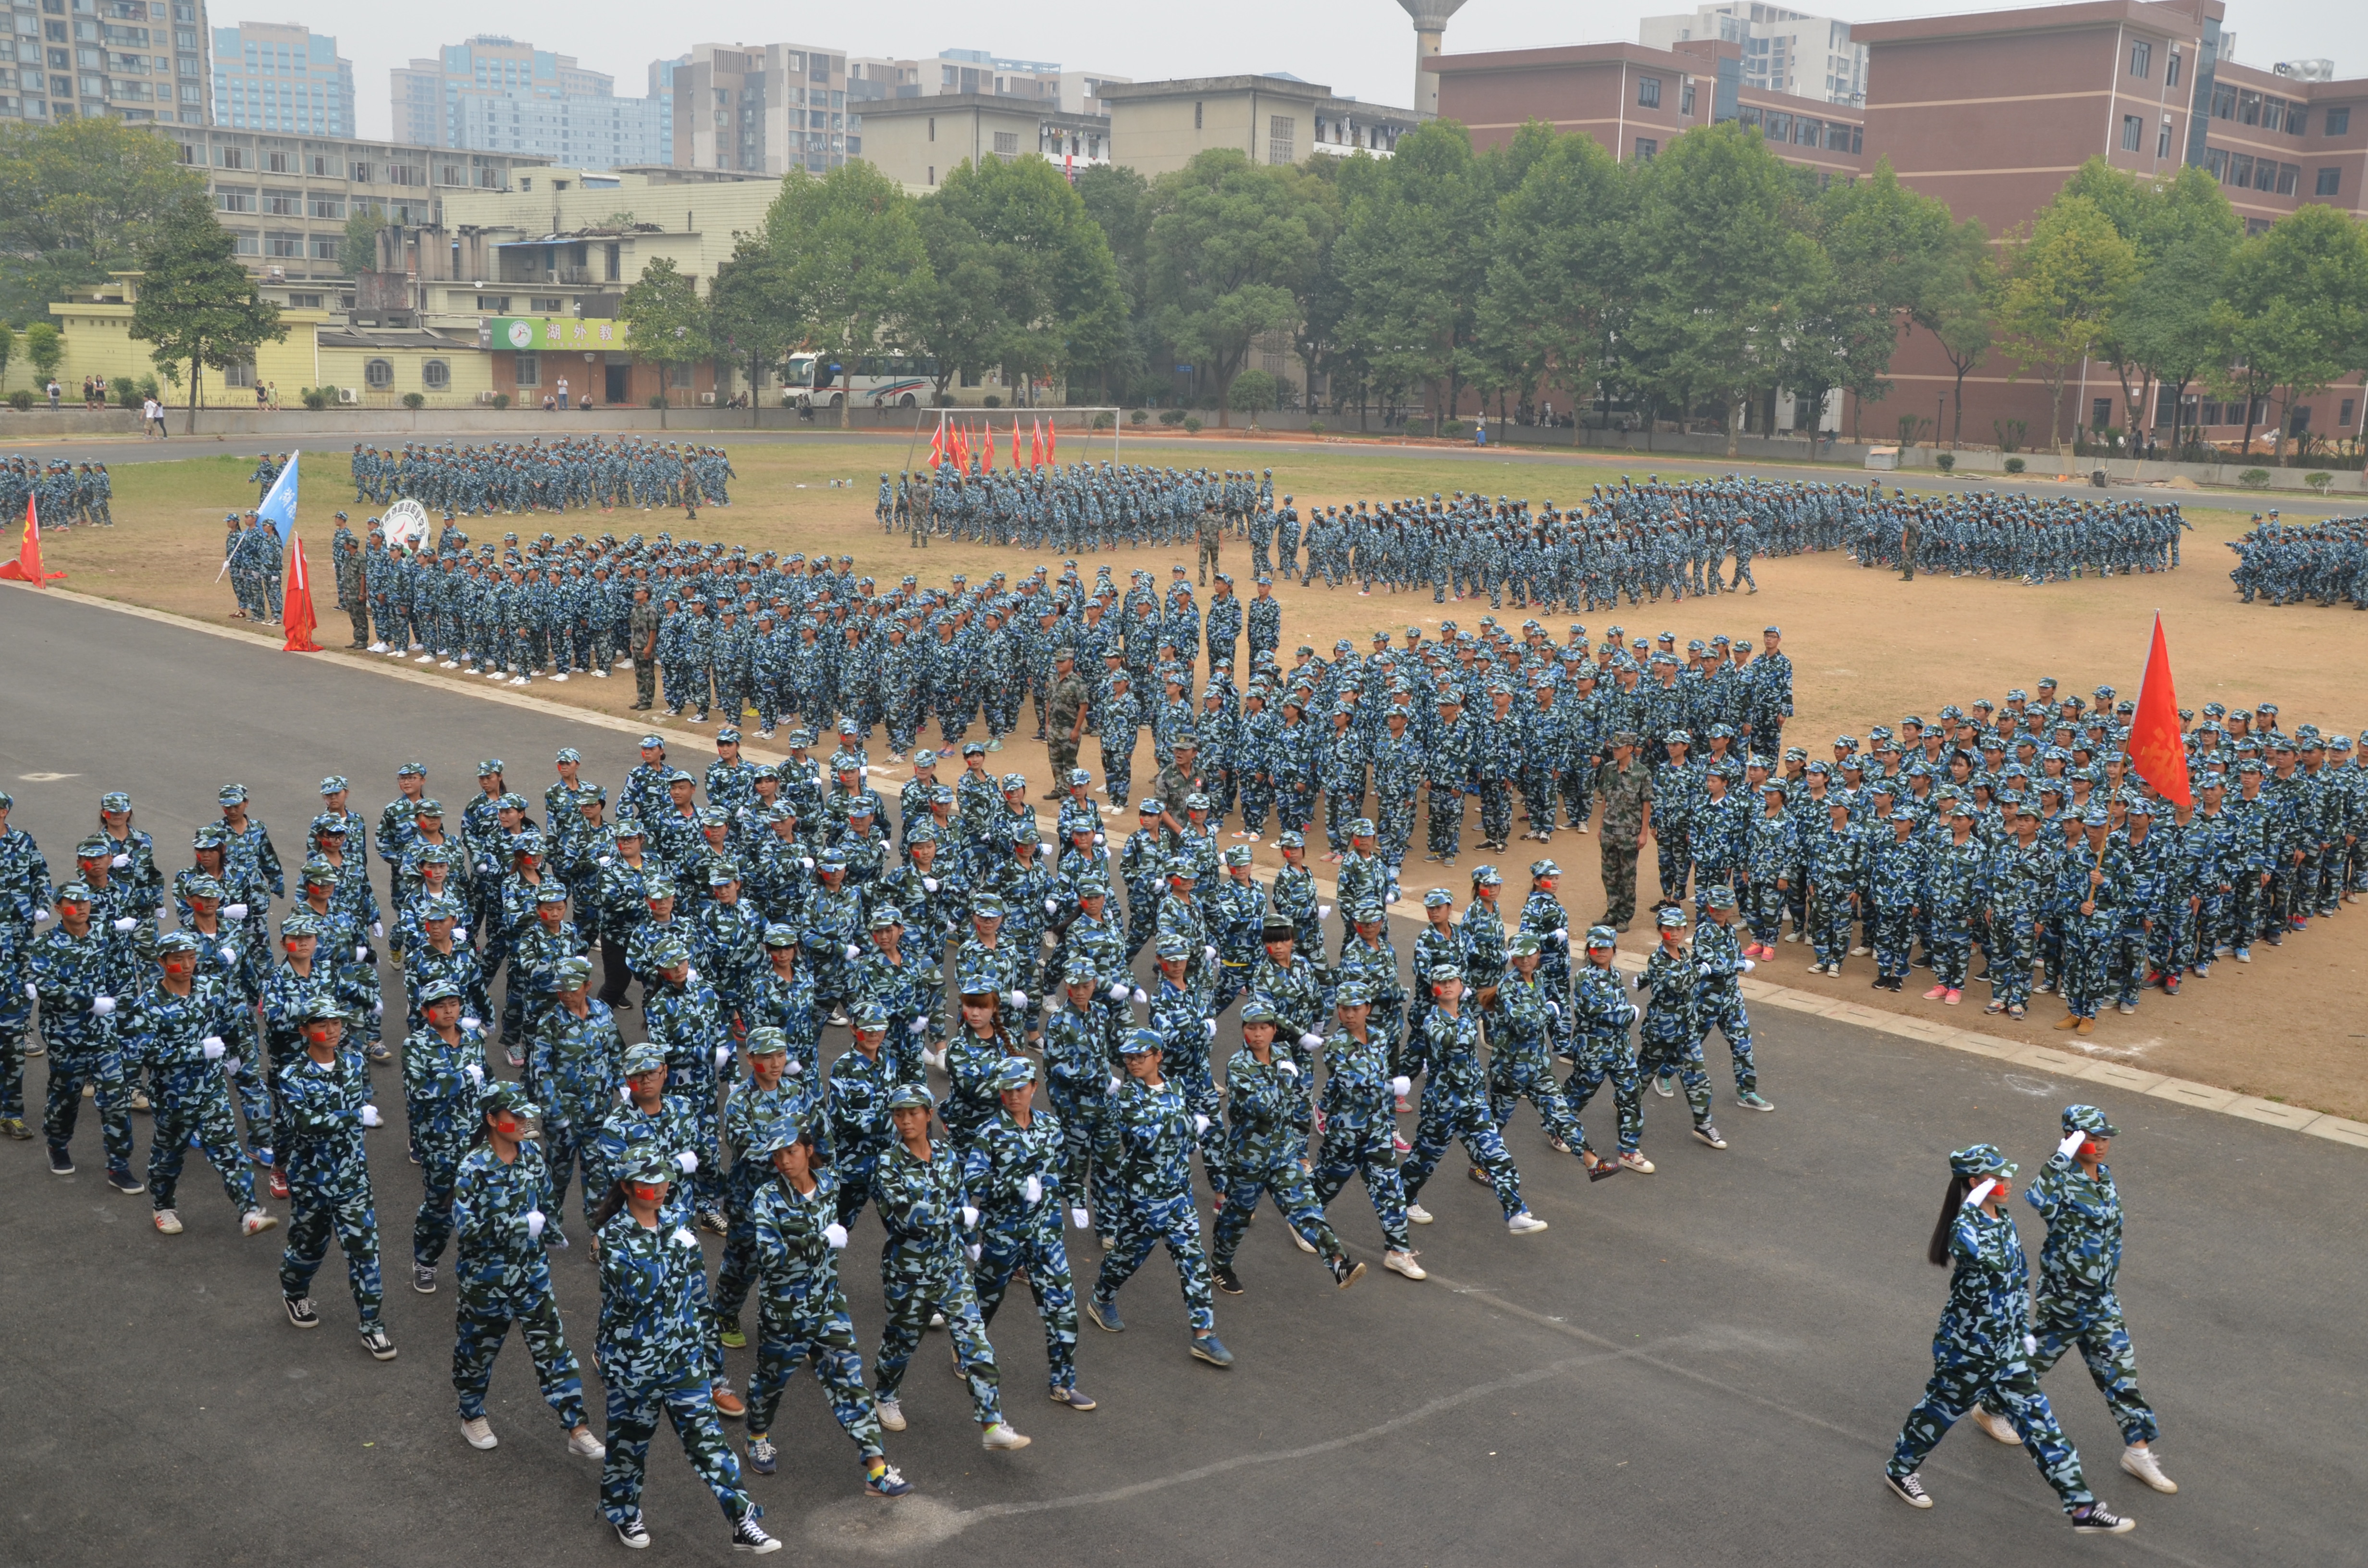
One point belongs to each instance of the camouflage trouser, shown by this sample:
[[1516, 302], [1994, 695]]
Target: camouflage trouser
[[1829, 925], [1601, 1057], [1674, 852], [1209, 557], [789, 1334], [2009, 954], [71, 1066], [1354, 1148], [1446, 832], [634, 1412], [1950, 946], [1892, 929], [1514, 1077], [645, 682], [2095, 1326], [1286, 1182], [1145, 1222], [350, 1217], [1720, 1007], [1619, 882], [1453, 1116], [440, 1172], [486, 1312], [1495, 809], [2012, 1388], [1663, 1054], [1538, 799], [200, 1111], [910, 1300], [12, 1068], [1033, 1246]]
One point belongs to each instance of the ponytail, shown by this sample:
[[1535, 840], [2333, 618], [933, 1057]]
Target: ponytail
[[1936, 1252]]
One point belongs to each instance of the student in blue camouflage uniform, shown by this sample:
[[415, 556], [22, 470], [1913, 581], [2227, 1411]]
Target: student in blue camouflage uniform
[[1520, 1057], [2077, 1304], [325, 1093], [174, 1029], [1455, 1108], [1670, 1044], [1718, 997], [1149, 1141], [79, 971], [1979, 1351], [501, 1274], [652, 1356], [1600, 1016], [1012, 1174], [1266, 1153], [1358, 1130], [443, 1075]]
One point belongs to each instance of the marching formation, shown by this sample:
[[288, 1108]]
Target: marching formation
[[2325, 563], [2036, 539], [63, 494]]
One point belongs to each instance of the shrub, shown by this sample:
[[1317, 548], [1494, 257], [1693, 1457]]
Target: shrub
[[1253, 392], [1171, 416], [2014, 465], [316, 398], [126, 395], [2318, 482], [501, 399], [658, 399], [2254, 479], [148, 388], [991, 401], [1944, 462], [1315, 427], [1191, 424], [21, 400], [1138, 418], [1104, 421], [414, 401], [1451, 428]]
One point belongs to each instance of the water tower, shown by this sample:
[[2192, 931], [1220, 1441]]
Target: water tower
[[1429, 28]]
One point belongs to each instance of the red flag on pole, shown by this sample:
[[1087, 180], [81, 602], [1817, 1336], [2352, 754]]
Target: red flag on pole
[[986, 448], [1036, 443], [1052, 442], [1015, 440], [26, 567], [2157, 750], [296, 608], [938, 445]]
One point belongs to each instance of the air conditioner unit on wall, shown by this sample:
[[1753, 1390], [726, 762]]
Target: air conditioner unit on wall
[[348, 395], [707, 398], [487, 396]]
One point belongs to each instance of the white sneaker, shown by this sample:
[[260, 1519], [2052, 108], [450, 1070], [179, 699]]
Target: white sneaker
[[2140, 1462], [424, 659], [1001, 1436], [1404, 1262], [1300, 1241], [255, 1222], [168, 1221], [1996, 1426], [446, 665], [480, 1432], [378, 647], [1417, 1214], [602, 673], [559, 677], [1524, 1223], [582, 1443], [890, 1413]]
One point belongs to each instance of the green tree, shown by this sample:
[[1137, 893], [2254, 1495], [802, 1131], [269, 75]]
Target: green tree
[[2063, 282], [195, 303], [668, 323], [1556, 280], [81, 199], [1892, 256], [752, 320], [1118, 198], [45, 345], [358, 251], [1253, 392], [854, 259], [2295, 316], [1230, 241], [2166, 323], [8, 348]]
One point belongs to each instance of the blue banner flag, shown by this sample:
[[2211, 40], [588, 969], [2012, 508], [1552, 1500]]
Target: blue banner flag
[[278, 507]]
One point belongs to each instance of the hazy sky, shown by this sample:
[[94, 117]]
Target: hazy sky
[[1364, 48]]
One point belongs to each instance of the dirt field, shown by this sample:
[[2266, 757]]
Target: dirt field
[[1867, 648]]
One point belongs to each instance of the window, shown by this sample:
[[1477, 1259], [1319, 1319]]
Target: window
[[1686, 99], [1281, 139], [1196, 116], [544, 305], [1747, 114], [240, 375], [304, 301], [2338, 121], [933, 128], [2331, 182], [2162, 141], [2170, 70], [2248, 109], [1808, 133], [2208, 413], [1648, 91], [1857, 138], [1646, 149], [243, 242], [1779, 127], [2101, 413], [933, 174], [2132, 132], [529, 373], [1006, 143], [378, 374], [325, 207], [2289, 178], [2344, 418], [284, 245], [2298, 119], [231, 158], [2273, 114], [436, 375], [326, 247], [275, 163], [2240, 170], [2216, 162], [2141, 58], [2224, 101], [244, 200], [282, 203], [678, 375]]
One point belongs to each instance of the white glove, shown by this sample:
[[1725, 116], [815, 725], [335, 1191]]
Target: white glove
[[1209, 954], [214, 1047], [230, 952], [683, 1238], [1310, 1041], [792, 1070], [1981, 1190], [1288, 1067], [807, 861], [534, 1224], [1081, 1220], [476, 1072], [686, 1162], [378, 928], [120, 862], [2072, 1141], [1118, 991], [607, 860], [1018, 998], [853, 952], [1554, 1009], [2029, 1344], [32, 992], [235, 911], [1400, 1085], [1323, 912], [1051, 906], [1034, 1190], [973, 1250], [1561, 934], [472, 1023], [102, 1005], [722, 1055], [1100, 839], [378, 1007], [929, 884], [230, 1066], [40, 916], [1139, 998], [835, 1234], [690, 972], [360, 952], [1750, 964], [919, 1025], [970, 1218], [370, 1117], [125, 922], [1114, 1085]]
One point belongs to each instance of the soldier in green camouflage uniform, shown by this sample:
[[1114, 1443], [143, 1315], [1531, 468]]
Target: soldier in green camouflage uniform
[[1623, 786]]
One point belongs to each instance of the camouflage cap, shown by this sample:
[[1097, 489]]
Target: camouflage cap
[[2089, 1118]]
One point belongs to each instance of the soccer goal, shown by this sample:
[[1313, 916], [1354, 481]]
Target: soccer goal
[[997, 438]]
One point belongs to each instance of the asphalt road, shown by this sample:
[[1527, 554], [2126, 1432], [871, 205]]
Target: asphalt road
[[1703, 1366], [1215, 451]]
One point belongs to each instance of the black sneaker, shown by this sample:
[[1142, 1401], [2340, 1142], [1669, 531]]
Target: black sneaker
[[1228, 1281], [747, 1537], [633, 1533], [124, 1181], [60, 1162], [2097, 1519], [1908, 1489], [1708, 1133], [423, 1278], [300, 1311], [375, 1341], [1346, 1273]]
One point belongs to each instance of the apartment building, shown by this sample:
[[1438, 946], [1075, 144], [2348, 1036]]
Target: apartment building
[[763, 109], [496, 94], [1159, 126], [139, 60], [918, 140], [282, 77], [1783, 51]]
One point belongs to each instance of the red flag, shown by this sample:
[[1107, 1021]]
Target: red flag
[[1052, 442], [1036, 443], [2157, 750], [296, 608], [986, 448], [1015, 440], [26, 567], [937, 446]]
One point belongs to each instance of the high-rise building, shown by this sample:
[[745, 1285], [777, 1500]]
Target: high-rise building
[[763, 109], [141, 59], [1783, 51], [498, 93], [284, 77]]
